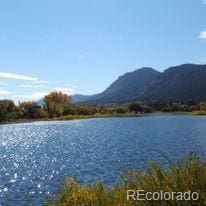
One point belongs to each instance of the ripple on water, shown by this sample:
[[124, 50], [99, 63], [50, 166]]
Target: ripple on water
[[35, 157]]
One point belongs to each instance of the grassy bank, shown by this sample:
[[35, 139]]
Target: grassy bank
[[74, 117], [98, 115], [199, 113], [188, 174]]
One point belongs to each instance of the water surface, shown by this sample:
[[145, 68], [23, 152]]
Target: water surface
[[35, 157]]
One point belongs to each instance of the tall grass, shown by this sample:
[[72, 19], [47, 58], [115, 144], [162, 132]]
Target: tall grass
[[187, 174], [201, 112]]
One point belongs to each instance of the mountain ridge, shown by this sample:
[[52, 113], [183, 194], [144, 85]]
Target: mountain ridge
[[185, 82]]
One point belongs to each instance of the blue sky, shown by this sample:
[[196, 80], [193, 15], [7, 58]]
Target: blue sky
[[83, 46]]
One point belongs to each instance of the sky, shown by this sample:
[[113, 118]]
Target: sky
[[82, 46]]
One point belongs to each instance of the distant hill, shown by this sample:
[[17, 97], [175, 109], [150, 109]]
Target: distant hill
[[127, 87], [78, 98], [186, 82]]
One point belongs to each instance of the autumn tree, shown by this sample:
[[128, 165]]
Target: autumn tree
[[202, 106], [7, 110], [31, 110], [85, 110], [57, 104]]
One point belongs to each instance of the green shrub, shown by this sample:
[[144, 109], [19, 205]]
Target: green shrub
[[136, 107]]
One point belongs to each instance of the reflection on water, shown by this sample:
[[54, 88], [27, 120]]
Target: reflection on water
[[35, 157]]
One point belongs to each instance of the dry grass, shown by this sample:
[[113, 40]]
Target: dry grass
[[201, 112], [188, 174]]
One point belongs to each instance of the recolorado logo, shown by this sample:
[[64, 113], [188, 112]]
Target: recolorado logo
[[141, 195]]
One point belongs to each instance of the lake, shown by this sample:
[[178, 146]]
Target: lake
[[35, 157]]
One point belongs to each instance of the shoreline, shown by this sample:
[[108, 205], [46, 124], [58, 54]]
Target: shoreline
[[97, 116], [73, 117]]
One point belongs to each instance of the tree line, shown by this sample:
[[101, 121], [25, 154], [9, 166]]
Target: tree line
[[55, 104], [58, 104]]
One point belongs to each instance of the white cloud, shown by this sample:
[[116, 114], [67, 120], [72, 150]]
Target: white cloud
[[202, 35], [3, 83], [71, 86], [17, 76], [67, 90], [3, 92], [81, 56], [30, 97], [32, 86], [41, 82]]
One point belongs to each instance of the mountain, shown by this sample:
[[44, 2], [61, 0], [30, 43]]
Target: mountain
[[78, 98], [186, 82], [127, 87]]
